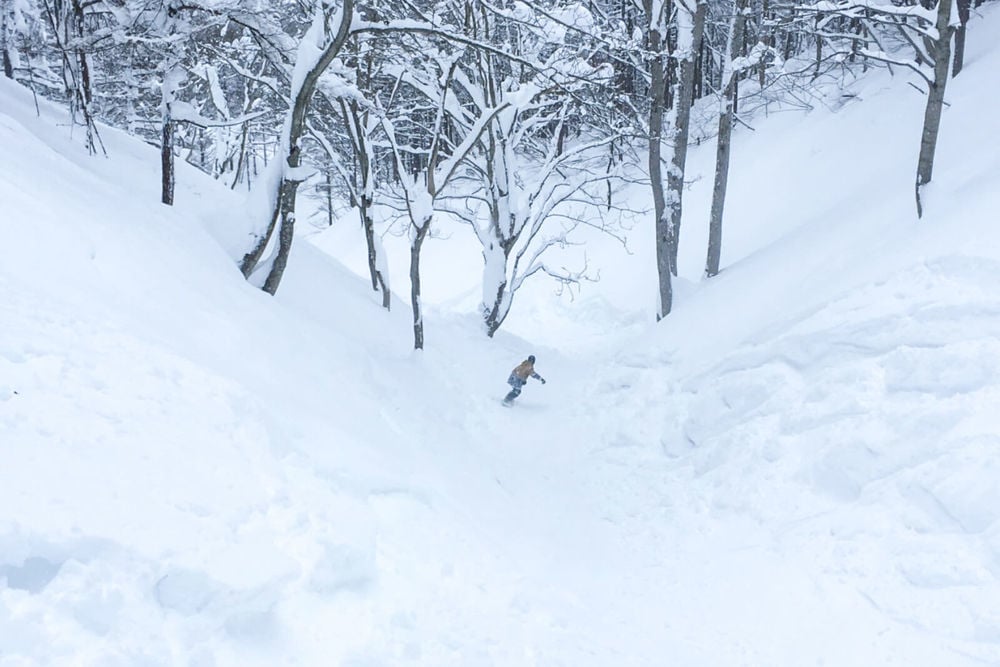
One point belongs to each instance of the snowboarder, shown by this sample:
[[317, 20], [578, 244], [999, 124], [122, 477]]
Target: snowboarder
[[519, 377]]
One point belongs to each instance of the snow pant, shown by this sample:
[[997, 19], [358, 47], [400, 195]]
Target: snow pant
[[516, 383]]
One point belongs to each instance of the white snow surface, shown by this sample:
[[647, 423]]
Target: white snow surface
[[798, 467]]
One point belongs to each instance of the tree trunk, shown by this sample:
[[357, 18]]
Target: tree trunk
[[682, 123], [379, 283], [295, 125], [723, 147], [81, 55], [167, 161], [286, 232], [238, 171], [963, 17], [657, 93], [819, 47], [418, 317], [5, 45], [495, 303], [365, 158], [766, 37], [935, 100], [252, 258]]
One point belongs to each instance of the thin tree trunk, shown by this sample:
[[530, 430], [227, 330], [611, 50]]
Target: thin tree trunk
[[657, 92], [329, 198], [378, 280], [242, 156], [819, 48], [418, 315], [81, 54], [963, 17], [766, 38], [681, 130], [167, 161], [935, 100], [364, 156], [286, 231], [723, 148], [5, 45]]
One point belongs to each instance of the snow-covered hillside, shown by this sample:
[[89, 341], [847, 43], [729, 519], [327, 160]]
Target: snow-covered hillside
[[798, 467]]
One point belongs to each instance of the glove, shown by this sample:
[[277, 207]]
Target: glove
[[542, 379]]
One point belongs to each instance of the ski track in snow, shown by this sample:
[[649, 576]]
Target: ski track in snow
[[816, 486]]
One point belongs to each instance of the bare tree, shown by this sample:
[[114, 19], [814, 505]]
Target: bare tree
[[523, 195], [926, 30], [66, 23], [362, 125], [362, 122], [436, 166], [730, 72], [539, 162]]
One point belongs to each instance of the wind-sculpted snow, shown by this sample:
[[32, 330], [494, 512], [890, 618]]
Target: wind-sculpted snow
[[861, 445]]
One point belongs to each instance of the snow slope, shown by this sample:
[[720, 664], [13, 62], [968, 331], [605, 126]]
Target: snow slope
[[798, 467]]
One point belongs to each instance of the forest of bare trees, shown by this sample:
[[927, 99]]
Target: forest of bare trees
[[520, 118]]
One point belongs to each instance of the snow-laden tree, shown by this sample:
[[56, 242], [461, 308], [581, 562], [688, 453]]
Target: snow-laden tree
[[427, 165], [532, 177], [536, 192], [184, 41], [68, 32], [316, 50], [671, 128], [362, 123], [910, 35]]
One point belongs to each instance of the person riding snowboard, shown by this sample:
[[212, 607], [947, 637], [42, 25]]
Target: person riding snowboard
[[519, 377]]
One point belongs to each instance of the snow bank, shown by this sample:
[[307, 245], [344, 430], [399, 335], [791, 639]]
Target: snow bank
[[797, 467]]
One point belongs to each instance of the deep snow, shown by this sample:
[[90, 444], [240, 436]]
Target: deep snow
[[798, 467]]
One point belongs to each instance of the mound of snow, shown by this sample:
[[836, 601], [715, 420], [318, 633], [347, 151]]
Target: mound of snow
[[797, 467]]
